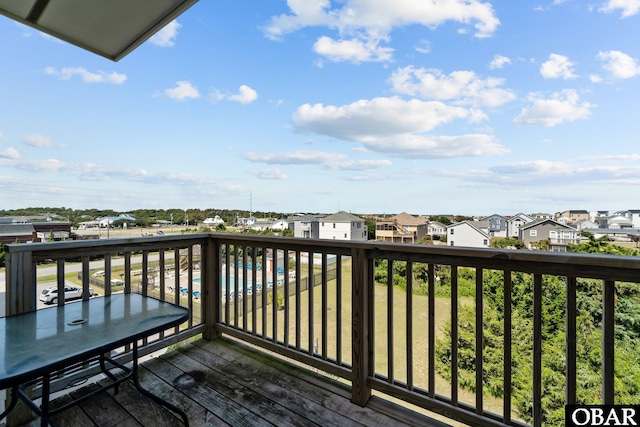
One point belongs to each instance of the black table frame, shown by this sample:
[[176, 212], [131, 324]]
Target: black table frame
[[98, 353]]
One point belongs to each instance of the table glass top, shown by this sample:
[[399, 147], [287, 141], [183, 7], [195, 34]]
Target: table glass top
[[35, 342]]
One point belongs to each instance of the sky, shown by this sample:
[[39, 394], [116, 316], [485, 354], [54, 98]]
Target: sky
[[464, 107]]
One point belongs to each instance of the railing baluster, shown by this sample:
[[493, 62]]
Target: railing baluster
[[86, 278], [236, 287], [324, 305], [361, 272], [409, 323], [454, 335], [338, 309], [537, 350], [298, 304], [244, 287], [61, 282], [390, 323], [161, 267], [189, 281], [254, 294], [507, 347], [287, 298], [311, 313], [227, 283], [127, 277], [274, 295], [571, 341], [265, 292], [608, 341], [107, 274], [479, 340], [432, 330]]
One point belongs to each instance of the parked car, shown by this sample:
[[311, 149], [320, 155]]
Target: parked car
[[50, 295]]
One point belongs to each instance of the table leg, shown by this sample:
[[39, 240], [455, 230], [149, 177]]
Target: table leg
[[147, 393], [44, 406], [14, 400]]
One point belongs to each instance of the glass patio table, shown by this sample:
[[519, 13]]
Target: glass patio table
[[37, 344]]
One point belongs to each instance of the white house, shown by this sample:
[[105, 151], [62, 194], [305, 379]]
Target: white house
[[343, 226], [212, 222], [306, 227], [472, 234], [516, 222]]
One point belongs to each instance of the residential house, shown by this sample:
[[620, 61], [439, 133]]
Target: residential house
[[497, 225], [17, 233], [401, 228], [585, 224], [213, 222], [343, 226], [558, 235], [540, 216], [573, 216], [306, 227], [515, 222], [436, 230], [634, 216], [616, 221], [473, 234]]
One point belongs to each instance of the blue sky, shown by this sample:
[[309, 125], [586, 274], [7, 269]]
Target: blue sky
[[371, 106]]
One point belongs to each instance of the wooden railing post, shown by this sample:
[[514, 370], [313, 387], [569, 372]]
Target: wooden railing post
[[210, 273], [361, 349], [21, 284]]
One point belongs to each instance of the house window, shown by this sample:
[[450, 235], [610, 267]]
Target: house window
[[451, 243], [359, 225], [484, 242], [334, 225], [533, 233], [452, 233], [345, 235]]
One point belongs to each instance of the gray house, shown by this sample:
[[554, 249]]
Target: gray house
[[306, 227], [497, 225], [558, 235]]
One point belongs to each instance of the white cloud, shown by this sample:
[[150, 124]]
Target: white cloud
[[87, 76], [564, 106], [499, 61], [39, 141], [182, 91], [628, 7], [245, 95], [353, 50], [558, 66], [359, 165], [379, 117], [424, 46], [50, 165], [594, 78], [412, 146], [166, 37], [294, 157], [619, 64], [10, 154], [274, 173], [463, 86], [373, 21]]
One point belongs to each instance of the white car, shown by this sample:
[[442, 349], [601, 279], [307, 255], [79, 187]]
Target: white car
[[50, 295]]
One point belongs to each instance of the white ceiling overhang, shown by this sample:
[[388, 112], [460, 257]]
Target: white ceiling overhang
[[110, 28]]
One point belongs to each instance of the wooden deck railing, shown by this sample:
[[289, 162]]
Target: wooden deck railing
[[374, 314]]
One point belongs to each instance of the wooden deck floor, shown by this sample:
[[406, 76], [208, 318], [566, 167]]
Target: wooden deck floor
[[222, 384]]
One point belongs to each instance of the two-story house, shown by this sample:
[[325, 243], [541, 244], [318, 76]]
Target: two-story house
[[306, 227], [343, 226], [515, 222], [401, 228], [436, 230], [474, 234], [497, 225], [558, 235], [573, 216]]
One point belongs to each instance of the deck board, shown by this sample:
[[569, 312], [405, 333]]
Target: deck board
[[226, 383]]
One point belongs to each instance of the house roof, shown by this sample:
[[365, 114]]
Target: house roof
[[342, 216], [475, 225], [109, 28], [542, 221], [407, 219], [306, 218], [16, 229]]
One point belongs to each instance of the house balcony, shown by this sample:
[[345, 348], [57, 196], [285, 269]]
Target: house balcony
[[376, 334]]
